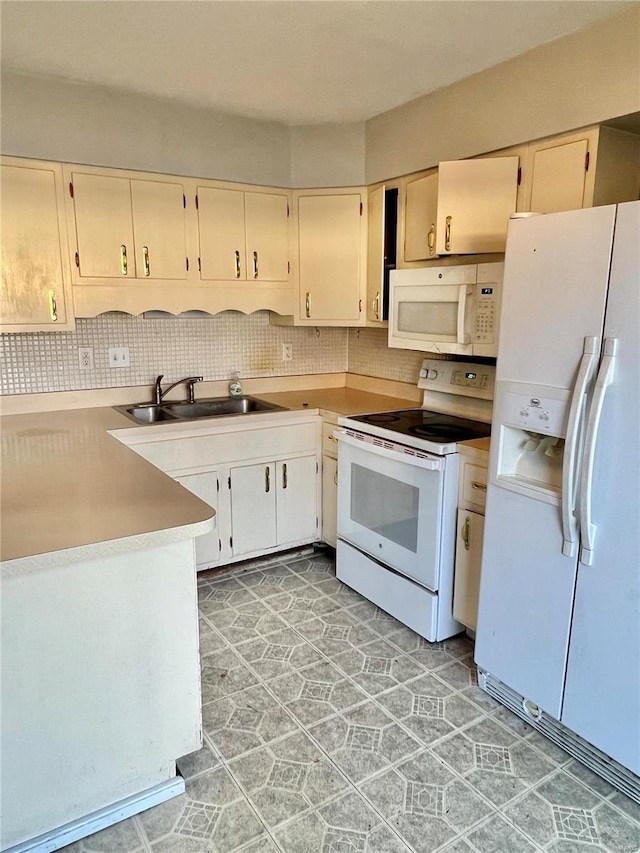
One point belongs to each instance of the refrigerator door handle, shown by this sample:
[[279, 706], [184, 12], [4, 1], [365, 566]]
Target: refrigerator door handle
[[590, 351], [603, 380]]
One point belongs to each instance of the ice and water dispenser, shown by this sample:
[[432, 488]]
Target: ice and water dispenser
[[532, 430]]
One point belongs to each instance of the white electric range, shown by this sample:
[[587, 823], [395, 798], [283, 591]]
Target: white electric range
[[398, 495]]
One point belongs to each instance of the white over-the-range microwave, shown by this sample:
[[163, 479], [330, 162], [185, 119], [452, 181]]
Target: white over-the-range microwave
[[453, 309]]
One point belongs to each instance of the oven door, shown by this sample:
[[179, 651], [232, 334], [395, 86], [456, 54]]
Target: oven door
[[390, 506]]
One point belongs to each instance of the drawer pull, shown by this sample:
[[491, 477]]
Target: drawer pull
[[332, 438], [267, 479], [479, 487], [285, 479], [465, 532], [53, 307]]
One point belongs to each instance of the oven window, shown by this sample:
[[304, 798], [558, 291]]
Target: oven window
[[386, 506], [428, 318]]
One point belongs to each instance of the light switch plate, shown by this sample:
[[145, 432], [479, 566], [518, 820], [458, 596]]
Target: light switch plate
[[119, 357]]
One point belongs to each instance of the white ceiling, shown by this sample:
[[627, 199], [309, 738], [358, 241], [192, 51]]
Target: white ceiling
[[292, 61]]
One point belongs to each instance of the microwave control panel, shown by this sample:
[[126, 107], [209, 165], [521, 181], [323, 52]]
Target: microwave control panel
[[485, 315]]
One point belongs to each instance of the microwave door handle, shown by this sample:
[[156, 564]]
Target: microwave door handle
[[590, 352], [603, 380], [463, 291]]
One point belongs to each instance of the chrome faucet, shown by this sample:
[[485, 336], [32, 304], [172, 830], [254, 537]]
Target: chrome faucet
[[189, 380]]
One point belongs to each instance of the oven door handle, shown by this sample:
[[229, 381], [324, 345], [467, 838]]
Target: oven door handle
[[431, 463]]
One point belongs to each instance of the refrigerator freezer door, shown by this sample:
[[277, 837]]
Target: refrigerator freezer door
[[602, 698], [554, 294], [526, 595]]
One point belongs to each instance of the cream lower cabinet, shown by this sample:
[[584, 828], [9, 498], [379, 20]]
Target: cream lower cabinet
[[36, 284], [331, 263], [472, 490], [329, 479], [263, 482]]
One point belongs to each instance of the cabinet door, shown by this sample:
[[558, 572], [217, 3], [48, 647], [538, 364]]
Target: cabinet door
[[267, 228], [296, 481], [253, 508], [222, 234], [205, 486], [33, 269], [158, 222], [329, 499], [104, 226], [467, 571], [375, 255], [420, 215], [559, 177], [330, 259], [475, 200]]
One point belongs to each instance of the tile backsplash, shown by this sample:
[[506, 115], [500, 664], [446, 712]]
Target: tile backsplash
[[214, 347]]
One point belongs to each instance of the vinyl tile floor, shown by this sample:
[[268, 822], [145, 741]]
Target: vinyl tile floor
[[331, 728]]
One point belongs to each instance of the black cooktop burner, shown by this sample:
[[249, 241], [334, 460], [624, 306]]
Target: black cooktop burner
[[431, 426]]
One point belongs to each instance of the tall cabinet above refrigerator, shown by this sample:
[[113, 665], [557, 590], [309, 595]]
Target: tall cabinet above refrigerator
[[558, 636]]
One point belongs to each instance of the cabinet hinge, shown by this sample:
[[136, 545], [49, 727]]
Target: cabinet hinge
[[187, 263], [197, 202], [184, 200], [77, 260], [231, 542], [219, 544], [229, 482], [71, 189], [519, 175], [361, 208], [199, 265], [217, 485], [587, 157]]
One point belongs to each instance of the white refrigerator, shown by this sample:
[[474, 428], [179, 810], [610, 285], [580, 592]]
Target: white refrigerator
[[558, 636]]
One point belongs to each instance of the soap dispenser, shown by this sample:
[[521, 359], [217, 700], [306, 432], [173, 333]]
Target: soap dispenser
[[235, 387]]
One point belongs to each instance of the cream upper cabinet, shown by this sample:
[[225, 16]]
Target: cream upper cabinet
[[332, 241], [475, 200], [375, 255], [420, 217], [244, 236], [159, 229], [594, 166], [127, 228], [36, 288]]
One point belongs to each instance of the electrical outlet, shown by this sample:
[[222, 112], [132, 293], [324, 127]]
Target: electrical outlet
[[287, 352], [118, 356], [85, 358]]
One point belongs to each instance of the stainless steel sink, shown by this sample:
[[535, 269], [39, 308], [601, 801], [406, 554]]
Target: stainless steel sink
[[151, 413]]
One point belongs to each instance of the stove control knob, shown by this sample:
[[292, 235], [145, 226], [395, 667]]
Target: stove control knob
[[423, 373], [432, 374]]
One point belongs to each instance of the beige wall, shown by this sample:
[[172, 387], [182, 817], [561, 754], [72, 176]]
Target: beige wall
[[327, 155], [581, 79]]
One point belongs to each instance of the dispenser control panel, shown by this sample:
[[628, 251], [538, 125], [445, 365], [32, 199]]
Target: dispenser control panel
[[536, 414]]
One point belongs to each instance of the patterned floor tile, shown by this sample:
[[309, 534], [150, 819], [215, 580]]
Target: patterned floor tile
[[347, 825], [339, 592], [315, 569], [494, 760], [561, 813], [301, 605], [287, 778], [375, 618], [197, 762], [430, 655], [280, 653], [429, 708], [210, 640], [224, 594], [425, 802], [364, 741], [498, 836], [244, 721], [211, 817], [120, 838], [224, 673], [272, 581], [462, 675], [377, 666], [316, 692], [250, 620], [335, 632]]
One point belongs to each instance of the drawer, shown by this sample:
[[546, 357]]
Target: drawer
[[329, 441], [473, 483]]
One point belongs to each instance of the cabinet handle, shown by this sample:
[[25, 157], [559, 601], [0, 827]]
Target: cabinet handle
[[145, 257], [53, 308], [285, 479], [431, 238], [237, 264], [465, 533], [375, 305], [332, 438], [447, 234], [255, 265], [308, 305], [267, 479], [123, 259], [479, 487]]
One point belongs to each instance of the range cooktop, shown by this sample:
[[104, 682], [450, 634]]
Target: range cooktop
[[420, 428]]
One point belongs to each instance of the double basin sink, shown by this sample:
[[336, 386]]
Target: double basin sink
[[152, 413]]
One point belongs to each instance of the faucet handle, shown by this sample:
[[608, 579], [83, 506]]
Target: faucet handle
[[158, 389]]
